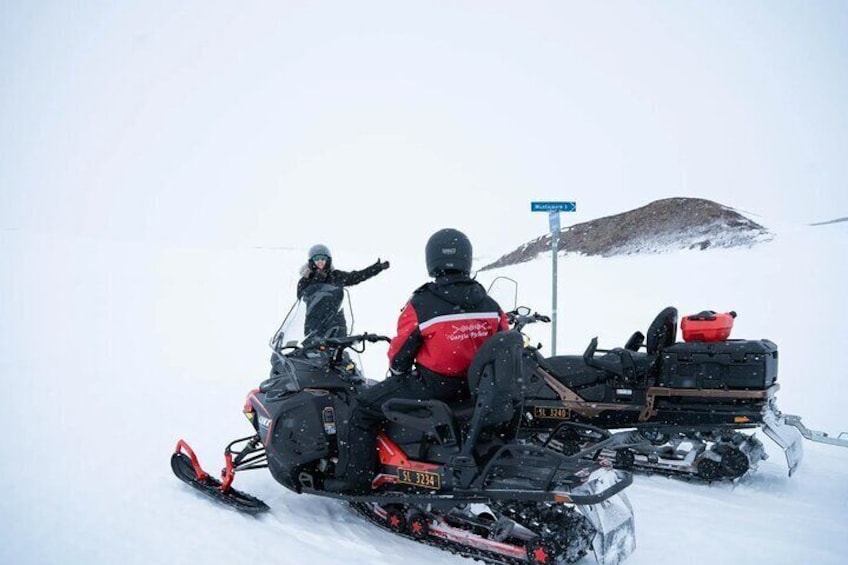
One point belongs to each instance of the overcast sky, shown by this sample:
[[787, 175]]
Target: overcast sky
[[271, 123]]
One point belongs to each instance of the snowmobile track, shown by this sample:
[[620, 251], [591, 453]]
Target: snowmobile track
[[550, 539]]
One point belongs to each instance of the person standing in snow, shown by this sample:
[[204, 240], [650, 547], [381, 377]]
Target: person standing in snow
[[438, 334], [321, 287]]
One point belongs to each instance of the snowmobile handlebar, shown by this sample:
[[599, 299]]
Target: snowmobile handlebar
[[339, 344], [522, 316], [347, 341]]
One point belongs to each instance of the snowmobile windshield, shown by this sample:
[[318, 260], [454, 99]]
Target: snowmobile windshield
[[505, 292], [322, 312]]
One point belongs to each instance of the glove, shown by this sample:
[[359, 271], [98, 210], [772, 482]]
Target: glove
[[383, 264]]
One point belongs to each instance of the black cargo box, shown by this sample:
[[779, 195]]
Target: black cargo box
[[731, 364]]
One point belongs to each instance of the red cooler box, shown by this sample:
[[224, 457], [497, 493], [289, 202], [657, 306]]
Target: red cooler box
[[707, 326]]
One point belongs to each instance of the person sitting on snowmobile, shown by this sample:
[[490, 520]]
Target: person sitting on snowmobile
[[321, 288], [439, 331]]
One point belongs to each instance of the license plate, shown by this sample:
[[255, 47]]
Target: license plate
[[551, 413], [423, 479]]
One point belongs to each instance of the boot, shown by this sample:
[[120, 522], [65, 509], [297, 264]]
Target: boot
[[356, 465]]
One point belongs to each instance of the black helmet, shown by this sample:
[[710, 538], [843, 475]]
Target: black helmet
[[448, 250]]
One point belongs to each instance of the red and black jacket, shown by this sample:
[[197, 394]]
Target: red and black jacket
[[443, 325]]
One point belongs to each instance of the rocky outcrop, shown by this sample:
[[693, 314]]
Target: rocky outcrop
[[661, 226]]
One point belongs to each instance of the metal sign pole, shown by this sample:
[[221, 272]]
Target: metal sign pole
[[553, 209], [554, 248]]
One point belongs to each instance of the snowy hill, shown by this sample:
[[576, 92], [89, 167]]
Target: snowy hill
[[111, 351], [661, 226]]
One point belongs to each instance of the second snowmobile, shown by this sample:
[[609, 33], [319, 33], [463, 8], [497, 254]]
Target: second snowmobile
[[681, 407], [453, 476]]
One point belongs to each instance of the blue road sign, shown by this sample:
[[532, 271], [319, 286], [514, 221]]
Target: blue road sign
[[553, 206]]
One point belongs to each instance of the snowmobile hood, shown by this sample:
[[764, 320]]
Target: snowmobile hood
[[458, 289]]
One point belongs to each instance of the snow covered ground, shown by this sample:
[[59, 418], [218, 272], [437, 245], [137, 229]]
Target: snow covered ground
[[146, 149], [112, 350]]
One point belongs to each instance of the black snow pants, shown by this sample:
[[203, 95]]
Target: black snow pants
[[360, 465]]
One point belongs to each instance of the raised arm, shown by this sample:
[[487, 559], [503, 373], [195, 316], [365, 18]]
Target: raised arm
[[355, 277]]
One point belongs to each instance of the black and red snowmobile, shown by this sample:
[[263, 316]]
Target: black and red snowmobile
[[678, 408], [455, 477]]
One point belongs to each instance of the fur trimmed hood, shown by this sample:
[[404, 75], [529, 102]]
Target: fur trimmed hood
[[306, 270]]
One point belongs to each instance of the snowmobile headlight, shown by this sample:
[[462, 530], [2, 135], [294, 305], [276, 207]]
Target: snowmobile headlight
[[248, 405]]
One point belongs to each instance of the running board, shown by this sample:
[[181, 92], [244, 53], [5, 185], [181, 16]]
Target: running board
[[815, 435]]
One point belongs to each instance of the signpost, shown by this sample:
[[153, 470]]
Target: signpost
[[553, 206], [553, 209]]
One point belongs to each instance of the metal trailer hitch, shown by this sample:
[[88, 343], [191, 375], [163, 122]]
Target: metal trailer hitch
[[815, 435]]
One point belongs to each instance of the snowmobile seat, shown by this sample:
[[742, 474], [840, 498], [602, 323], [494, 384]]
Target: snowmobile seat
[[663, 331], [504, 347], [572, 371], [495, 378], [592, 376], [624, 366], [618, 361]]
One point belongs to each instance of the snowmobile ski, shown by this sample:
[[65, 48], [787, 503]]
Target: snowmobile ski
[[186, 467]]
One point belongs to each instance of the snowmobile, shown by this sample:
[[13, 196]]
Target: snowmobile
[[451, 476], [675, 408]]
